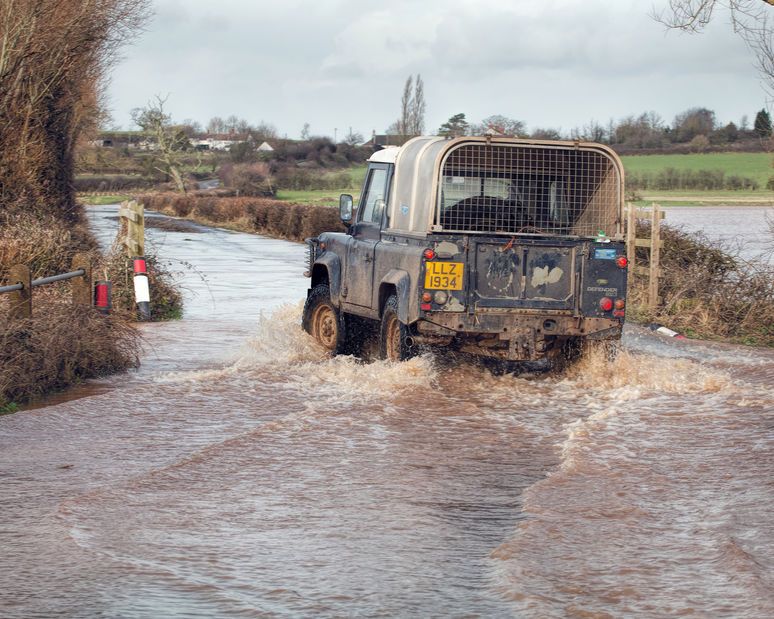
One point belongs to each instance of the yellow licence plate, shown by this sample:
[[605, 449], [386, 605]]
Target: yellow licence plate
[[444, 275]]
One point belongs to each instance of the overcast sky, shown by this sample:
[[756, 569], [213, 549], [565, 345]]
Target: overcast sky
[[342, 63]]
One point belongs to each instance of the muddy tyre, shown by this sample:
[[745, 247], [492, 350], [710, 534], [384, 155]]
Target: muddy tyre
[[323, 321], [394, 335]]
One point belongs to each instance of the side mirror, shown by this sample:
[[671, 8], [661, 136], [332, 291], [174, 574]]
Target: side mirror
[[345, 207]]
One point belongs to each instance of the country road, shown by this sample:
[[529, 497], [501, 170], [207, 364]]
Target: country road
[[240, 473]]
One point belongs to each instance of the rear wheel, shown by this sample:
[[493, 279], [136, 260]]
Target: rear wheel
[[394, 335], [323, 321]]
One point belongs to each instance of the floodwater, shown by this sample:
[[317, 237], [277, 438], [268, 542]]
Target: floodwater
[[240, 473], [743, 229]]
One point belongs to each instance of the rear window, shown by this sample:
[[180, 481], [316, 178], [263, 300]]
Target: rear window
[[513, 189]]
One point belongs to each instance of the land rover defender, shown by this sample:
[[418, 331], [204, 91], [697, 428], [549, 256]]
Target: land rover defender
[[500, 247]]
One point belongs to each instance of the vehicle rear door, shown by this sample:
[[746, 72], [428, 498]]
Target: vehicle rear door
[[522, 273]]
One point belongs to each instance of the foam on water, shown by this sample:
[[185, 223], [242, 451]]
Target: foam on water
[[283, 353]]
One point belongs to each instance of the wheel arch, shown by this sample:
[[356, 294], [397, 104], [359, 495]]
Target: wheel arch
[[327, 269], [396, 282]]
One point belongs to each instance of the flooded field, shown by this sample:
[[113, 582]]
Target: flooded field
[[240, 473], [743, 228]]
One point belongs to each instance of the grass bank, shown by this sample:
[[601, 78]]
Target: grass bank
[[707, 290], [60, 344]]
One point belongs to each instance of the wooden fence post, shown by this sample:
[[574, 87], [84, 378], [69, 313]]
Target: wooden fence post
[[655, 255], [21, 300], [134, 214], [631, 235], [139, 209], [82, 288], [653, 244]]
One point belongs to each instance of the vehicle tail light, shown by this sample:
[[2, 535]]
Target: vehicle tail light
[[606, 304], [622, 261], [425, 307], [428, 254], [620, 304], [426, 297], [440, 297]]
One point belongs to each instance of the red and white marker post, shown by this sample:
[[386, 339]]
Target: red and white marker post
[[141, 288]]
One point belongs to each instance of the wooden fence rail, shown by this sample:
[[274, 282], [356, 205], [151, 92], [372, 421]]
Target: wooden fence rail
[[654, 244], [21, 288]]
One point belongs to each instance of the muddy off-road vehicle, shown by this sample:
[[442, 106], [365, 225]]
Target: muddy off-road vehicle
[[504, 248]]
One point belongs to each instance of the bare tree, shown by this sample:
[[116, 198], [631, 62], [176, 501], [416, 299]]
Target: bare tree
[[497, 124], [170, 140], [693, 122], [232, 124], [750, 19], [353, 139], [216, 125], [546, 133], [412, 109], [416, 124], [265, 131], [405, 107]]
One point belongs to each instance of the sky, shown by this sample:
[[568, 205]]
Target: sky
[[341, 64]]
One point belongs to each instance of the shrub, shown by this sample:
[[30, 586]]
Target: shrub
[[247, 179], [707, 289], [294, 222], [670, 179], [60, 346]]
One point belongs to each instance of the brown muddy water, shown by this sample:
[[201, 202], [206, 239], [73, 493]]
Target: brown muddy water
[[240, 473]]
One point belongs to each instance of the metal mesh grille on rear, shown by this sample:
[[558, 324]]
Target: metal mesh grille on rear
[[513, 188]]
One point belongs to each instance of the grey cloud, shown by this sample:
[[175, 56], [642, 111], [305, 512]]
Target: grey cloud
[[336, 63]]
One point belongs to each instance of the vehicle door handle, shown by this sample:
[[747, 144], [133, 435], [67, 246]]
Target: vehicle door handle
[[368, 258]]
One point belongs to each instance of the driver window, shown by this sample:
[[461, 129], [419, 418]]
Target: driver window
[[373, 200]]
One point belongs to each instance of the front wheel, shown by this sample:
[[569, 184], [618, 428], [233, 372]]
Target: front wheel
[[394, 336], [323, 321]]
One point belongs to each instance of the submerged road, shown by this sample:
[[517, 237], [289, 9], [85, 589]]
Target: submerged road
[[240, 473]]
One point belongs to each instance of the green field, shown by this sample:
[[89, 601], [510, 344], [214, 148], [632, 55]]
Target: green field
[[752, 165], [100, 200], [312, 196], [327, 196]]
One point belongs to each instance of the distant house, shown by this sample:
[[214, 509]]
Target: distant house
[[265, 148], [219, 141], [119, 139]]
